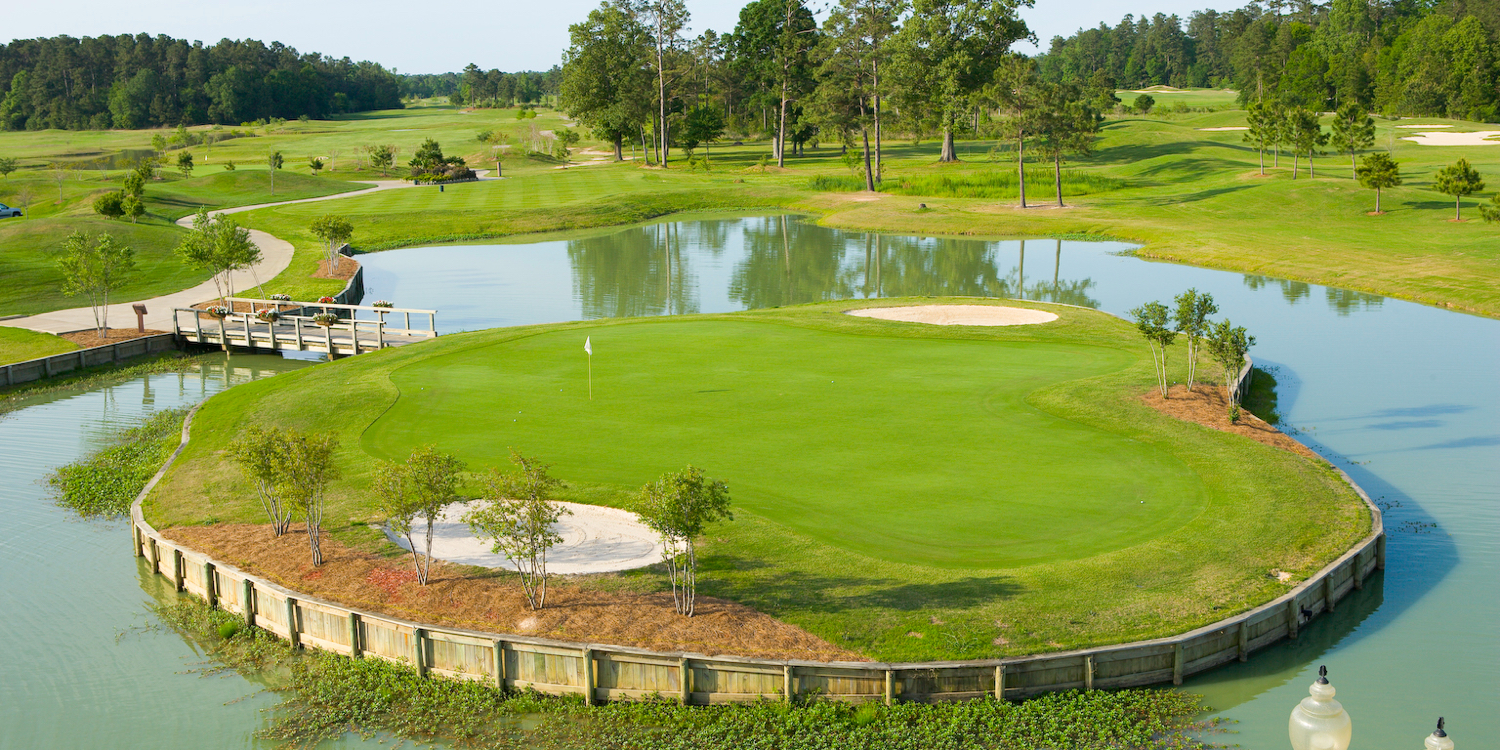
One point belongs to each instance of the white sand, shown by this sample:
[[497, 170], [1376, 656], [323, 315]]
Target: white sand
[[1229, 127], [958, 315], [1423, 126], [1455, 139], [594, 540]]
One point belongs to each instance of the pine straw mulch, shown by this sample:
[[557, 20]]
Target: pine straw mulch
[[1209, 406], [475, 599], [345, 271], [90, 337]]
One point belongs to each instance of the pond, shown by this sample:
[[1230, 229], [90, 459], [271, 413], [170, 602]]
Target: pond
[[1403, 397]]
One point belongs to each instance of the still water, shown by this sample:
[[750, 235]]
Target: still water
[[1401, 396]]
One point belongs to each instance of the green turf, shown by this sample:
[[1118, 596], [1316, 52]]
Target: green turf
[[910, 450], [19, 344], [980, 488], [176, 197]]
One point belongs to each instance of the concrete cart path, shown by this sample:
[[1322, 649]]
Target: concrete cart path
[[276, 255]]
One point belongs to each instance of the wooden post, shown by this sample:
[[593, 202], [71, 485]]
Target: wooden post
[[890, 687], [500, 664], [328, 339], [291, 621], [1380, 552], [1328, 591], [1088, 672], [1177, 663], [179, 570], [354, 649], [1245, 639], [247, 601], [249, 334], [999, 682], [298, 322], [1293, 617], [380, 334], [416, 652], [685, 680], [210, 592], [155, 556], [787, 688], [1359, 574], [135, 541], [588, 676]]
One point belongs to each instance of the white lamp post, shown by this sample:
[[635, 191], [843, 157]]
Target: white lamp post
[[1438, 740], [1320, 723]]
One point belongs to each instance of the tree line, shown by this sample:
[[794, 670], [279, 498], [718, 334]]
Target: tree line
[[1400, 57], [141, 81]]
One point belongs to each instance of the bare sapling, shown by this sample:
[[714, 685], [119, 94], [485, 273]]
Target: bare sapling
[[1151, 319], [260, 454], [304, 482], [418, 489], [1229, 344], [519, 519], [678, 507], [1193, 309]]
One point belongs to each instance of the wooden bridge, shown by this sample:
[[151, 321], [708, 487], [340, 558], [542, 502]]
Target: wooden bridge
[[295, 328]]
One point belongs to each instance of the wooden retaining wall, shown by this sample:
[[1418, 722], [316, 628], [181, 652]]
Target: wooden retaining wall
[[57, 364], [604, 672]]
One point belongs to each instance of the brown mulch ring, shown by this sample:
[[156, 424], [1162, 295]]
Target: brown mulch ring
[[344, 272], [475, 599], [1209, 406], [89, 338]]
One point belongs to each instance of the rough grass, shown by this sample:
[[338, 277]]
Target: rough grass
[[877, 591], [19, 344]]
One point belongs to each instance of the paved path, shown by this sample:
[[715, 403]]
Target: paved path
[[276, 255]]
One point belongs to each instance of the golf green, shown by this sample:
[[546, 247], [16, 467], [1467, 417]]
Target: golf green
[[910, 449]]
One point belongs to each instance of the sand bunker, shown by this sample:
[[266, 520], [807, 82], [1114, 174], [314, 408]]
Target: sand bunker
[[1228, 127], [958, 315], [1455, 139], [1409, 127], [594, 540]]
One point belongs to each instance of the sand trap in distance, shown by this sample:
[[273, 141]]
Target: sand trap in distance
[[594, 540], [1227, 127], [958, 315], [1423, 126], [1479, 138]]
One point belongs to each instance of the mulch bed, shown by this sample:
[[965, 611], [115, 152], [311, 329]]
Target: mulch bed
[[1209, 406], [477, 599], [90, 337], [344, 272]]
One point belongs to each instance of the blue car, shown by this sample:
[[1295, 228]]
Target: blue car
[[7, 212]]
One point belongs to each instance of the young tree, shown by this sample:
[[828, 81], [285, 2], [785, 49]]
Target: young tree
[[273, 163], [306, 471], [605, 75], [1459, 179], [94, 269], [420, 488], [1153, 321], [221, 246], [1378, 171], [1262, 129], [185, 164], [381, 157], [133, 207], [1228, 344], [7, 165], [1021, 95], [1144, 103], [518, 518], [1353, 129], [948, 52], [333, 159], [703, 124], [1307, 137], [678, 506], [334, 231], [1193, 309], [110, 205], [261, 455], [314, 165], [1491, 213]]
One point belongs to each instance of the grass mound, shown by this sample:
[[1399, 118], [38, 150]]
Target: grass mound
[[908, 492]]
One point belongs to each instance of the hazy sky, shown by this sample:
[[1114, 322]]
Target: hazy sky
[[434, 36]]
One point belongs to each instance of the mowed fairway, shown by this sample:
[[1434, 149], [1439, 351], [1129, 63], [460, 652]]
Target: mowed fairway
[[916, 450]]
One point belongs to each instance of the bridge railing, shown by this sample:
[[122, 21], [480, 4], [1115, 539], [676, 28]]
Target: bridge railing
[[379, 313]]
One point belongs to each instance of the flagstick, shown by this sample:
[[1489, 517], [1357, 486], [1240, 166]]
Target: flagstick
[[591, 377]]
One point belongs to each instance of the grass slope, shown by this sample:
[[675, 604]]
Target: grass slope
[[19, 344], [30, 281], [887, 511]]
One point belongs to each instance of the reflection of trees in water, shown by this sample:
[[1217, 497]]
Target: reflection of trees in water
[[788, 262], [636, 271], [1342, 301], [1074, 292]]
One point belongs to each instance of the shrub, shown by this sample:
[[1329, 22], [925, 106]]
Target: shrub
[[110, 204], [229, 166]]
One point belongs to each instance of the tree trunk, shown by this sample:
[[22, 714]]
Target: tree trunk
[[781, 127], [1021, 165], [1057, 176], [869, 176], [948, 154], [619, 147], [1353, 167], [1377, 200], [1295, 157], [1262, 162], [876, 86], [1312, 173], [1458, 208]]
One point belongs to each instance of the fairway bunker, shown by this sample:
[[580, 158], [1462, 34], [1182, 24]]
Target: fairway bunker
[[958, 315], [594, 540]]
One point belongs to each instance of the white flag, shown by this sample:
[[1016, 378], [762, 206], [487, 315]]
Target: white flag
[[586, 346]]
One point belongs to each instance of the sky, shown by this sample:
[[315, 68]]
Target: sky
[[436, 36]]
